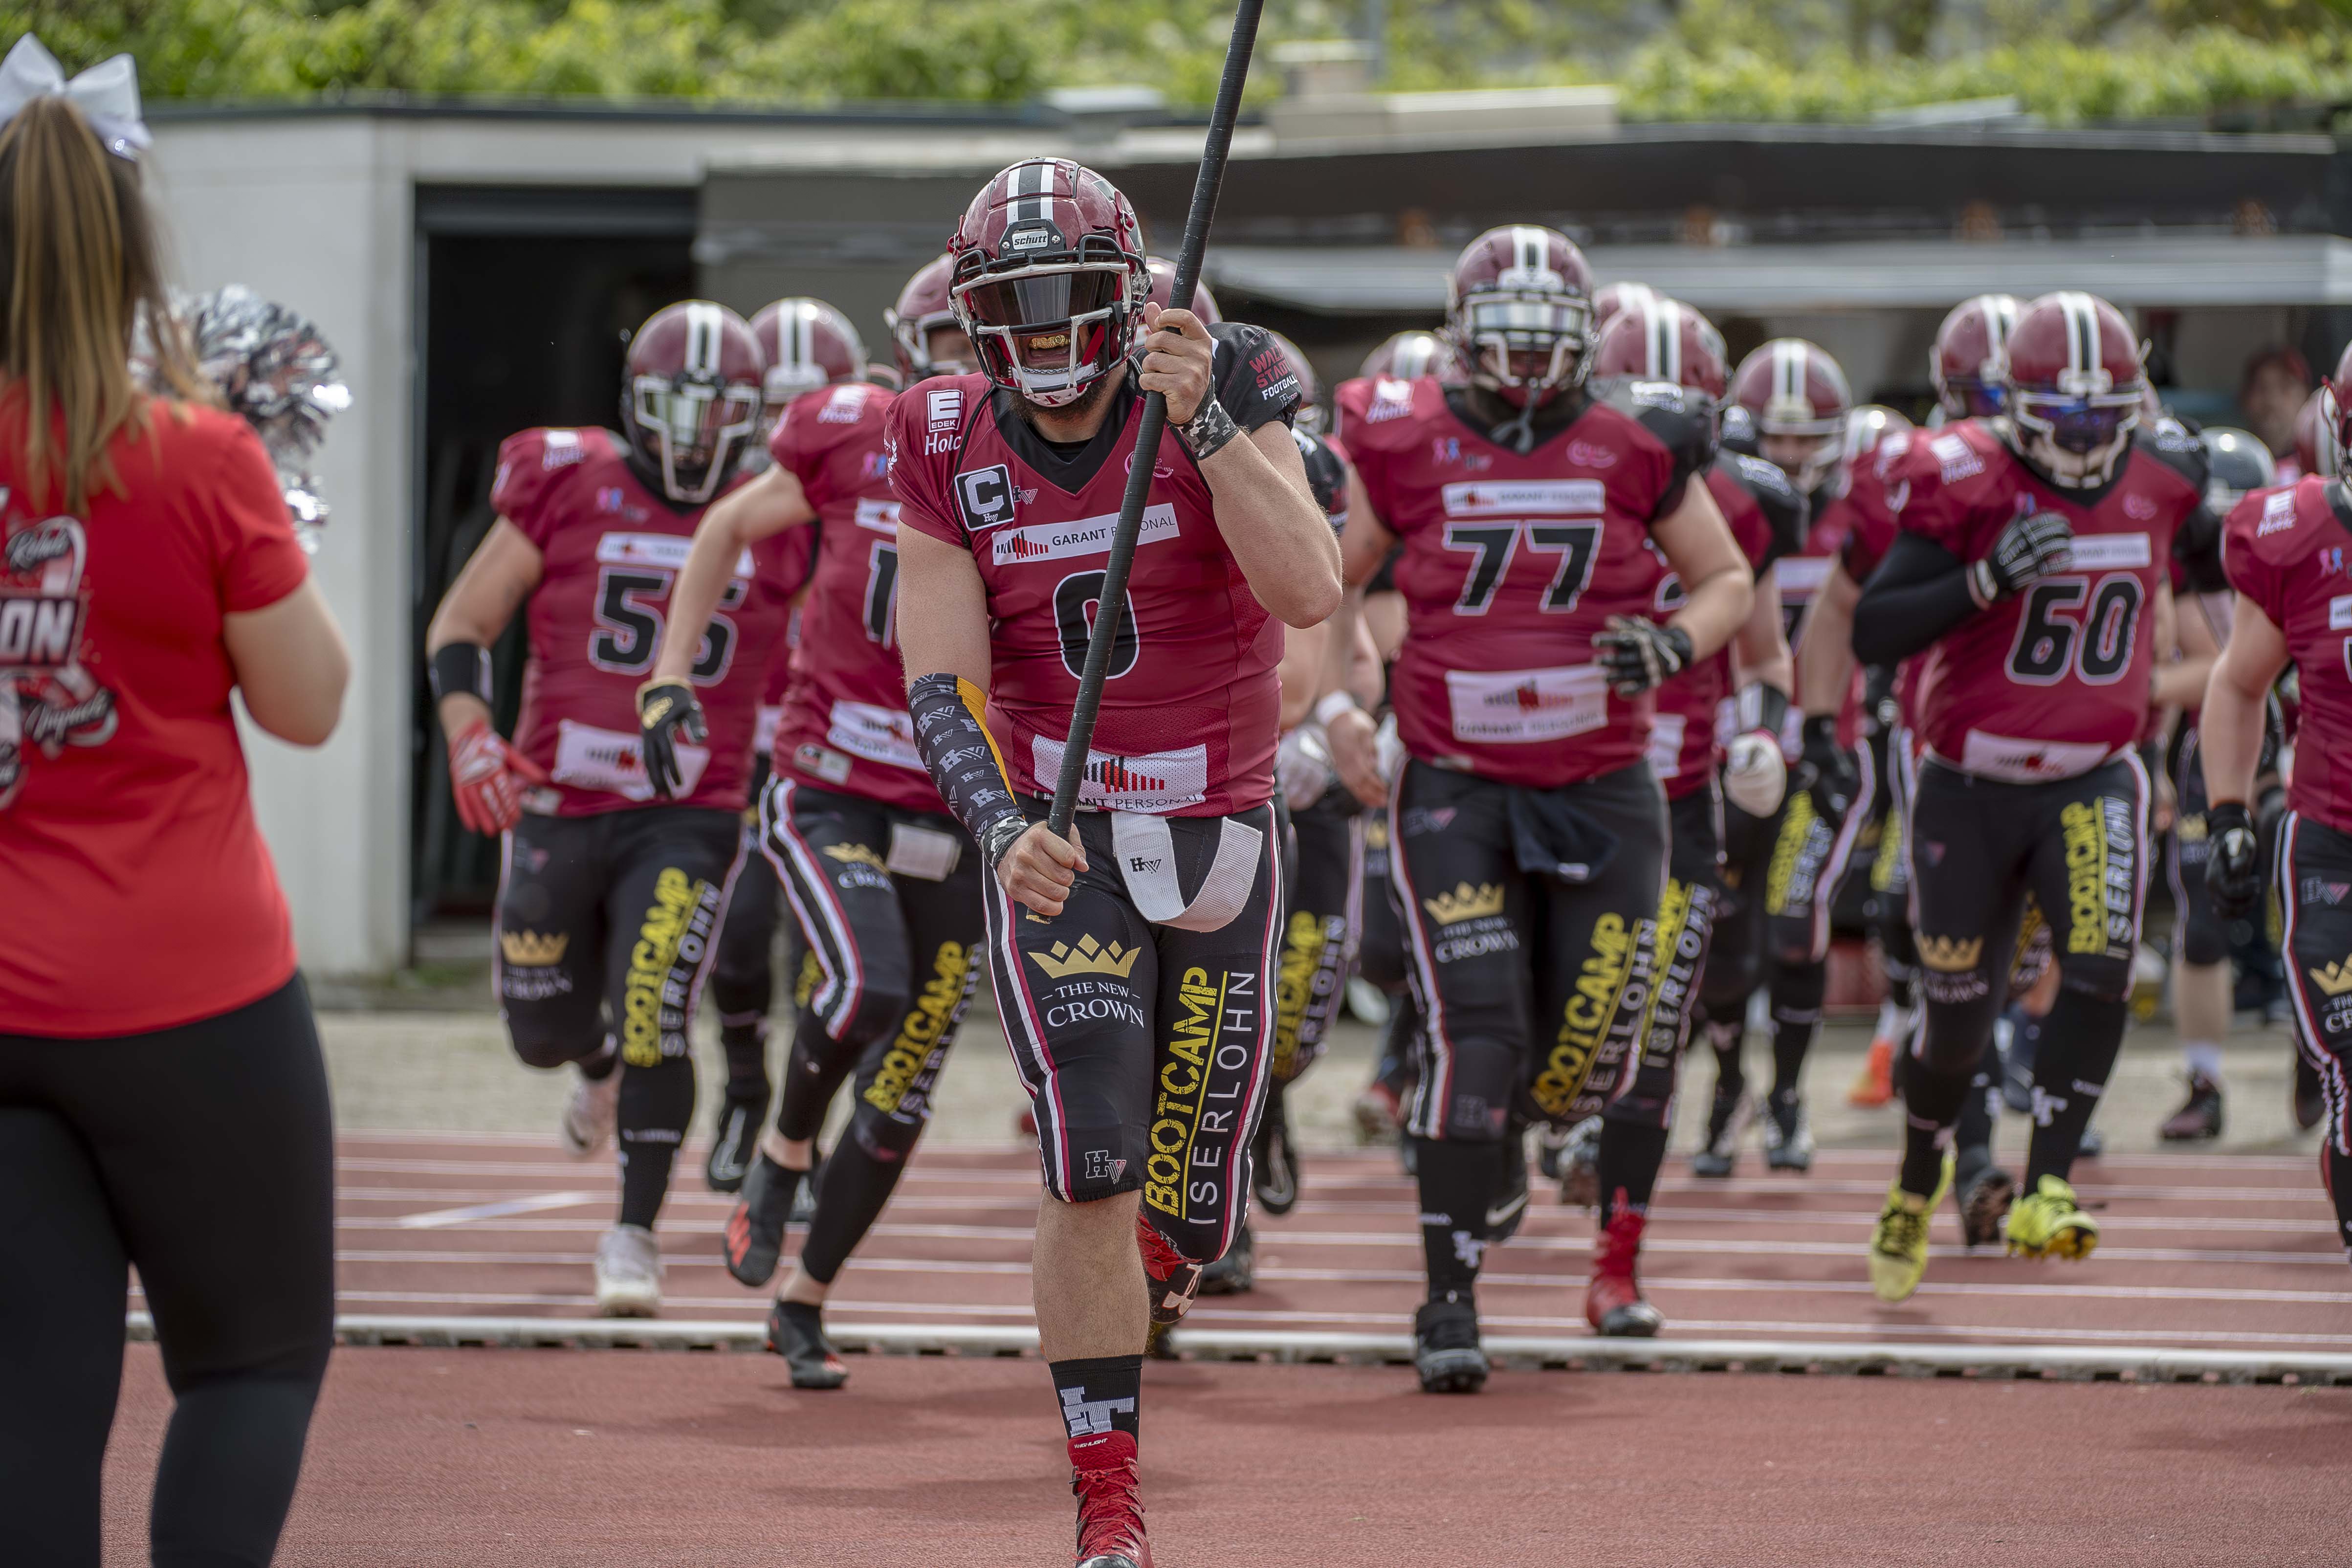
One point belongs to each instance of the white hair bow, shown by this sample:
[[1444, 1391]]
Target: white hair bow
[[107, 94]]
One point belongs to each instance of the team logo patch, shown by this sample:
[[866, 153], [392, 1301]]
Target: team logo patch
[[2339, 613], [986, 497], [1465, 903], [943, 409], [2333, 979], [533, 950], [2320, 891], [1088, 957], [1950, 956]]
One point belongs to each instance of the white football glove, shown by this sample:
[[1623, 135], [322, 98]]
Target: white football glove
[[1302, 765], [1388, 750], [1755, 775]]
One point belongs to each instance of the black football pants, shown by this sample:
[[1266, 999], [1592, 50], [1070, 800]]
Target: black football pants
[[2314, 884]]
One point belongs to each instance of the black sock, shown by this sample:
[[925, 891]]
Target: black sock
[[807, 1317], [2073, 1060], [1099, 1394], [1979, 1112], [657, 1106], [598, 1065], [811, 1081], [745, 1042], [1931, 1105], [2336, 1175], [1458, 1181], [1797, 993], [1631, 1155], [1898, 955], [1724, 1037], [857, 1182]]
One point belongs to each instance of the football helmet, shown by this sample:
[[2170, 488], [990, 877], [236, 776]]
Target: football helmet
[[1518, 310], [690, 396], [2236, 462], [1309, 416], [1867, 429], [1048, 278], [1964, 364], [1163, 288], [807, 345], [2311, 453], [1407, 356], [1657, 339], [1611, 298], [922, 311], [1797, 401], [2335, 399], [2073, 387]]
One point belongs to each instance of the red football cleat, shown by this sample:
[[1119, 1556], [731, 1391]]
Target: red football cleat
[[1874, 1084], [1110, 1514], [1175, 1278], [1612, 1299]]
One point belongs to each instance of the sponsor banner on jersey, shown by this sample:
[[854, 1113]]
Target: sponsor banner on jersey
[[560, 449], [1802, 576], [764, 728], [876, 733], [1523, 498], [2015, 760], [1087, 536], [2111, 553], [1148, 781], [881, 516], [2278, 513], [1391, 400], [847, 401], [2339, 613], [590, 758], [1510, 705], [662, 552], [1958, 458], [1666, 733]]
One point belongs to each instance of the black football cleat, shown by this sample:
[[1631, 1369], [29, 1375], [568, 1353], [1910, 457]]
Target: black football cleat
[[796, 1332], [1273, 1165], [1985, 1195], [2199, 1116], [735, 1143], [1446, 1351], [754, 1237], [1510, 1205]]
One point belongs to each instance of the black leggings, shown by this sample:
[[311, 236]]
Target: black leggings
[[203, 1155]]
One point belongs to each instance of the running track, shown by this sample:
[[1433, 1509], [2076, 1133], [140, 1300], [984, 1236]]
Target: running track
[[2198, 1253]]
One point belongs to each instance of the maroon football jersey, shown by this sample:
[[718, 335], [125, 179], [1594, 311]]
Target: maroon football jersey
[[611, 548], [1189, 715], [1512, 563], [845, 726], [1695, 719], [2051, 684], [2284, 549]]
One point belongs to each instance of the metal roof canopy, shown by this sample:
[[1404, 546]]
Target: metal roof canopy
[[2191, 269]]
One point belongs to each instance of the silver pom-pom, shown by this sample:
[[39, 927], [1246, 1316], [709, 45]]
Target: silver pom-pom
[[273, 369]]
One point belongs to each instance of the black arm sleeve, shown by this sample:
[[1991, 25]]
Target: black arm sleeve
[[1252, 377], [961, 757], [1788, 512], [1918, 593], [1683, 421]]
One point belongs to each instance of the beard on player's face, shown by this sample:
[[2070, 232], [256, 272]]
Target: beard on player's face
[[1097, 393]]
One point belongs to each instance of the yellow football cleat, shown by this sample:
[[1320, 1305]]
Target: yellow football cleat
[[1899, 1247], [2048, 1223]]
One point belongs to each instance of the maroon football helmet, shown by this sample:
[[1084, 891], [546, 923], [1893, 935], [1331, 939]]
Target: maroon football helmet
[[1518, 310], [807, 345], [1869, 429], [1163, 287], [2073, 387], [691, 397], [1797, 400], [2332, 418], [1655, 339], [1048, 278], [2313, 455], [1964, 364], [1309, 416], [923, 311], [1410, 355], [1611, 298]]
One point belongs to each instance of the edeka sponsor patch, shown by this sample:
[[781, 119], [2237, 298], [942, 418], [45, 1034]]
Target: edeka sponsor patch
[[1146, 781], [902, 1085], [669, 948], [1501, 707], [1086, 536], [1203, 1094]]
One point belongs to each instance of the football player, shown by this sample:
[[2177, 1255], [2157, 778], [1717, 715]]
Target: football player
[[1135, 959], [1526, 829], [1717, 735], [2029, 578], [807, 345], [882, 883], [610, 896], [2283, 550]]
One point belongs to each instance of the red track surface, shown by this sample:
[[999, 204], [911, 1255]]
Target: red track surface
[[2199, 1252], [487, 1459]]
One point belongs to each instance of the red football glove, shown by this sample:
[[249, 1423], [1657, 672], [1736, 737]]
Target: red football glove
[[487, 775]]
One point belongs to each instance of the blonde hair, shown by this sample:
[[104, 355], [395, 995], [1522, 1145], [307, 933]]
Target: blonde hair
[[79, 267]]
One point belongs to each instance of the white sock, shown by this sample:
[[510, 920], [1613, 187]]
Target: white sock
[[2204, 1060], [1890, 1020]]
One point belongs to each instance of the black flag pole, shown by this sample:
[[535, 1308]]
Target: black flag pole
[[1111, 608]]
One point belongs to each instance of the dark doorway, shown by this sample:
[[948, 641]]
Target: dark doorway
[[525, 297]]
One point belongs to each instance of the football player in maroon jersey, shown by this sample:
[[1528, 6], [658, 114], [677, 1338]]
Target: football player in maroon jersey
[[807, 345], [1527, 870], [610, 896], [1717, 733], [1134, 961], [2029, 579], [2284, 551], [883, 884]]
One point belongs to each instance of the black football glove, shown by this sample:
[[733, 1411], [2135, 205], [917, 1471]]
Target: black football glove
[[2233, 860], [1639, 656], [2029, 549], [666, 711], [1827, 771]]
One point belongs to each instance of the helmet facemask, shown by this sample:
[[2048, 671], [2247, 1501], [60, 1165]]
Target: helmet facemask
[[1526, 346], [1050, 329], [692, 428], [2074, 440]]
